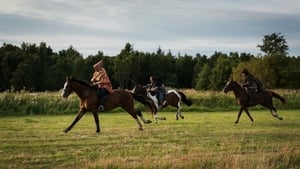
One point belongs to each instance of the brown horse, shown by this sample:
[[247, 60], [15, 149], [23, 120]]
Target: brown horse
[[89, 101], [262, 98], [173, 98]]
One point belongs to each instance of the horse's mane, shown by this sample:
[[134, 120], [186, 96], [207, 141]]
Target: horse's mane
[[83, 82], [237, 84]]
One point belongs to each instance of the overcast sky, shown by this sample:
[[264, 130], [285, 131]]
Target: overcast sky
[[182, 26]]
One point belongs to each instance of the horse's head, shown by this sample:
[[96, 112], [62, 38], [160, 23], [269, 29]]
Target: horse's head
[[230, 86], [67, 90], [140, 90]]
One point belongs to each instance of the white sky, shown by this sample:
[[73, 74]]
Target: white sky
[[182, 26]]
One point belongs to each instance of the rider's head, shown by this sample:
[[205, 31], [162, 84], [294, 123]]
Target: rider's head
[[245, 72], [98, 66]]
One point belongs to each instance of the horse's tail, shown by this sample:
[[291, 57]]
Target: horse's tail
[[278, 97], [145, 101], [184, 99]]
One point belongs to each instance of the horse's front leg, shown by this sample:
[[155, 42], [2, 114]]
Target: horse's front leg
[[96, 118], [239, 115], [246, 110], [156, 118], [178, 114], [140, 115], [78, 117]]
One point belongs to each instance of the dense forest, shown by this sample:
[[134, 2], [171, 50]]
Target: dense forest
[[35, 67]]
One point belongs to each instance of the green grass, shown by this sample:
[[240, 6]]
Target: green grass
[[201, 140]]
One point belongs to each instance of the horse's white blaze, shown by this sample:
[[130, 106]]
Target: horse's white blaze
[[64, 89]]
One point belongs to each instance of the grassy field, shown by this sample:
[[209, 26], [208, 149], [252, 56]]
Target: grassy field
[[201, 140]]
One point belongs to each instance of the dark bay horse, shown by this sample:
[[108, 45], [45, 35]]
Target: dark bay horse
[[173, 98], [89, 101], [262, 98]]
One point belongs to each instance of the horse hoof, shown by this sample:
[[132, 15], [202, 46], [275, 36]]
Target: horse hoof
[[65, 130], [141, 129], [148, 122], [280, 118], [182, 117]]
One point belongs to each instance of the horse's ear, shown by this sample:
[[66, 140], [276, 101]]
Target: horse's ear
[[69, 78]]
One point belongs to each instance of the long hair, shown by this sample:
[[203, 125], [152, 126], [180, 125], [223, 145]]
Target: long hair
[[156, 80]]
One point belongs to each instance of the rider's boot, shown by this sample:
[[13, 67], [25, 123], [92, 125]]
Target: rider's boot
[[101, 108]]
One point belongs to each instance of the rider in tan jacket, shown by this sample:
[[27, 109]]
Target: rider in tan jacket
[[101, 80]]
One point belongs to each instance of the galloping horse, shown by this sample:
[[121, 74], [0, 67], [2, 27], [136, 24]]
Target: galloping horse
[[262, 98], [89, 101], [173, 98]]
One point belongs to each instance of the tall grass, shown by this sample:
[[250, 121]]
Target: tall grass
[[24, 103]]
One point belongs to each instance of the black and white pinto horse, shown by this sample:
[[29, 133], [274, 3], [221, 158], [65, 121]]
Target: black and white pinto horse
[[173, 98]]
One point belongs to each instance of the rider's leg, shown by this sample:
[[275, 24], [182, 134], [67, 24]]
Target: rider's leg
[[164, 98], [103, 92], [160, 99], [250, 96]]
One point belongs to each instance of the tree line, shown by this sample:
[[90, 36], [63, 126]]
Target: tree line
[[35, 67]]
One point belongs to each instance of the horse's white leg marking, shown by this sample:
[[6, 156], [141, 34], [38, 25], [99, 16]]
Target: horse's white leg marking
[[275, 114], [155, 118], [144, 120], [139, 124]]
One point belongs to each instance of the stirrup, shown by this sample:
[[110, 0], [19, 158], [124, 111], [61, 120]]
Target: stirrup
[[101, 108]]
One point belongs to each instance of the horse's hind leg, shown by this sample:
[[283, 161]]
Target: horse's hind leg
[[274, 113], [77, 118], [272, 110], [239, 115], [178, 114], [247, 112]]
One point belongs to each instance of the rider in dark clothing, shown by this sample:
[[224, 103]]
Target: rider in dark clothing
[[158, 87], [251, 84]]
